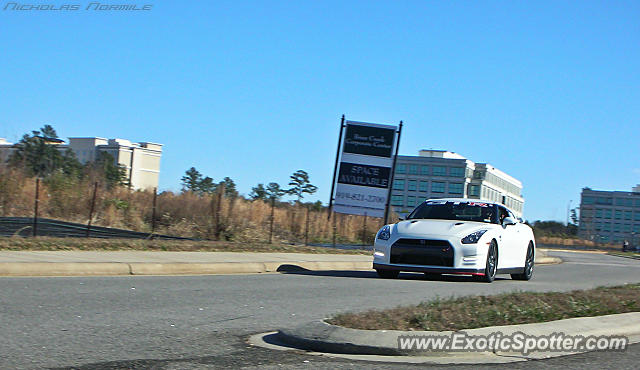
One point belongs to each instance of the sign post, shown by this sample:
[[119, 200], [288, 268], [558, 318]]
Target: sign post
[[335, 167], [393, 166], [364, 168]]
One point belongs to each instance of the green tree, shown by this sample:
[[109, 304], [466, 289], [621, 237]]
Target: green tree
[[36, 154], [258, 192], [553, 228], [574, 216], [70, 164], [274, 191], [194, 181], [206, 185], [229, 187], [39, 154], [113, 174], [191, 180], [316, 206], [300, 185], [47, 132]]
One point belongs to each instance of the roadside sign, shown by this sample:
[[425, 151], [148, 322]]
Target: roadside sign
[[362, 178]]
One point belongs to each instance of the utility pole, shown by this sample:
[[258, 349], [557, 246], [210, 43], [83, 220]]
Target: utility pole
[[93, 204], [306, 229], [35, 208], [364, 230], [335, 227], [273, 203], [153, 211]]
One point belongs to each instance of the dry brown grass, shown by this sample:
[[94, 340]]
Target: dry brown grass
[[574, 243], [91, 244], [505, 309], [564, 241], [181, 214]]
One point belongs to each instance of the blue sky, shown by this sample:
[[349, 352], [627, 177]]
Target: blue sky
[[545, 91]]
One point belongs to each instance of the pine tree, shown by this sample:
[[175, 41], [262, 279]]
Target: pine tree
[[258, 192], [40, 155], [229, 187], [207, 185], [191, 180], [114, 174], [300, 185]]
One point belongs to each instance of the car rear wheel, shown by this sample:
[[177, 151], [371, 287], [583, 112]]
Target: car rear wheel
[[492, 263], [388, 274], [528, 265]]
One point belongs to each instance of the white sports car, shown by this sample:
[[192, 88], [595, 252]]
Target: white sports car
[[456, 236]]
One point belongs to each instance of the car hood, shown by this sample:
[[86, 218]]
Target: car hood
[[419, 228]]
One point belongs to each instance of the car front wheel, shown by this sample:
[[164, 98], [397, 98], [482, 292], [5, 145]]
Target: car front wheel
[[492, 264]]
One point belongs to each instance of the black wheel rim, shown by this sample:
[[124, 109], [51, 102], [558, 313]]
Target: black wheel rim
[[491, 262], [528, 268]]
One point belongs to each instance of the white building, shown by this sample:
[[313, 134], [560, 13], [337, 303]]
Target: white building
[[140, 160], [6, 148], [443, 174]]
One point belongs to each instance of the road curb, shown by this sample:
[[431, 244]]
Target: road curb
[[320, 336], [186, 268], [548, 261], [63, 268], [542, 257]]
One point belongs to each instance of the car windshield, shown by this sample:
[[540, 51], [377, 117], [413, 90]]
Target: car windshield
[[459, 211]]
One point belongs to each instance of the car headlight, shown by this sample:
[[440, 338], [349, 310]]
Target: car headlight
[[384, 233], [473, 237]]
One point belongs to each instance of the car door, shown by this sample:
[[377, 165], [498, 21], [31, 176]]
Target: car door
[[508, 243], [521, 242]]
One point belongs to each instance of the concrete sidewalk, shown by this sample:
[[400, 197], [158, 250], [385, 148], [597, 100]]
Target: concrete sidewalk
[[67, 263], [70, 263], [383, 345]]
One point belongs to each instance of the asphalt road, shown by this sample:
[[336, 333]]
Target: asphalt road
[[204, 321]]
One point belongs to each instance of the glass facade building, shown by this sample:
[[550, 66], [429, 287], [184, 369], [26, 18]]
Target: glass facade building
[[442, 174], [610, 216]]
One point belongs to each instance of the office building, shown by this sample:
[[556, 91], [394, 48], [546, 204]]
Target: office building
[[609, 216], [6, 149], [443, 174], [141, 161]]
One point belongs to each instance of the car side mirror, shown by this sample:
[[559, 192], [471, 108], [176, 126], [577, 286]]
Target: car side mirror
[[509, 221]]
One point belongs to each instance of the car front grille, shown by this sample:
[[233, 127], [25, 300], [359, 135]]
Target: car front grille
[[427, 252]]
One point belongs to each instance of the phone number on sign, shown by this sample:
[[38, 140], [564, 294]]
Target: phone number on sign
[[360, 197]]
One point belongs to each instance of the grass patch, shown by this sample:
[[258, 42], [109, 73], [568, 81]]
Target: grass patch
[[504, 309], [92, 244]]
